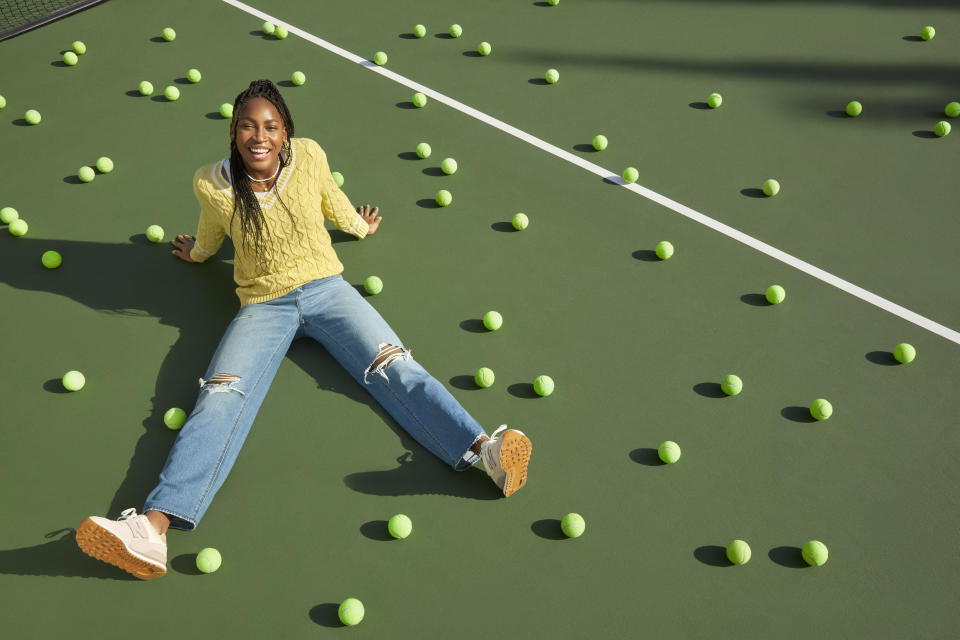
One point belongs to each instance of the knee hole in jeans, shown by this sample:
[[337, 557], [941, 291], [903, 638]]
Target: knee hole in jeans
[[221, 382], [387, 354]]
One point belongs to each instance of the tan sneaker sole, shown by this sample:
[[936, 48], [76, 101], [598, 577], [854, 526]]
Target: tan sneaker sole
[[99, 543], [515, 450]]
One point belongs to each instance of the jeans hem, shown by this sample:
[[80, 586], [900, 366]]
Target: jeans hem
[[177, 521]]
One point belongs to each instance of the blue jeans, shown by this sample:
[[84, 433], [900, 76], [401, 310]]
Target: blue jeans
[[333, 313]]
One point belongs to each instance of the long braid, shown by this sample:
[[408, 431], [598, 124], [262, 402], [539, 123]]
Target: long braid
[[252, 220]]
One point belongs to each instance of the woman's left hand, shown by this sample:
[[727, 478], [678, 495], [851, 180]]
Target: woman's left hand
[[370, 217]]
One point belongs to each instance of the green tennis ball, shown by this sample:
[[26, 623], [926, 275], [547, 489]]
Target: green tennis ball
[[492, 320], [226, 110], [280, 32], [552, 76], [520, 221], [171, 93], [145, 88], [572, 525], [18, 227], [600, 142], [631, 175], [423, 150], [208, 560], [104, 164], [456, 31], [738, 552], [775, 294], [51, 259], [86, 174], [298, 78], [168, 34], [815, 553], [663, 250], [952, 109], [448, 166], [904, 353], [350, 612], [337, 178], [78, 47], [194, 75], [669, 451], [154, 233], [3, 102], [174, 418], [484, 377], [373, 285], [268, 28], [419, 100], [73, 381], [399, 526], [928, 32], [8, 215], [854, 108], [553, 3], [543, 385], [942, 128], [444, 197], [484, 48], [32, 116], [714, 100], [419, 31], [70, 58], [731, 385], [380, 58], [771, 187], [821, 409]]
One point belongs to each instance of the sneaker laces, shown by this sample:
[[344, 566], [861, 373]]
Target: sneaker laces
[[136, 523]]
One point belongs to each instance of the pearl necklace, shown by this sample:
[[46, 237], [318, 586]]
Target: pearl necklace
[[265, 179]]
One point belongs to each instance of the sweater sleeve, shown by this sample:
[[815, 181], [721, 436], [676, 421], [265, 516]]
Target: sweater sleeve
[[210, 231], [335, 204]]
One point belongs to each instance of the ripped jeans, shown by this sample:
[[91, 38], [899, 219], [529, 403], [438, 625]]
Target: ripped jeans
[[333, 313]]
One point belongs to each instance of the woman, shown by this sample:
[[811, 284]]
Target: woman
[[271, 193]]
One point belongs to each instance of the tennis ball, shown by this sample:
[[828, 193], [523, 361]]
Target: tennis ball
[[815, 553], [268, 28], [419, 31], [174, 418], [423, 150], [70, 58], [714, 100], [952, 109], [552, 76], [484, 48], [444, 197], [448, 166], [543, 385], [942, 128], [298, 78], [32, 116], [208, 560], [520, 221], [280, 32], [631, 175], [399, 526], [380, 58], [669, 451], [18, 227], [738, 552], [373, 285], [928, 32], [86, 174], [731, 385], [145, 88], [854, 108], [8, 215], [350, 612], [904, 353], [600, 142], [775, 294], [193, 75], [171, 93], [492, 320], [456, 31], [51, 259], [3, 102], [168, 34], [226, 110], [419, 100], [553, 3], [771, 187], [663, 250], [484, 377], [572, 525], [73, 381], [337, 178], [821, 409], [154, 233], [104, 164], [78, 47]]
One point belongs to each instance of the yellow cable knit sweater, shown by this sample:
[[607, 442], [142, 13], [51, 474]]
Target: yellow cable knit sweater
[[298, 248]]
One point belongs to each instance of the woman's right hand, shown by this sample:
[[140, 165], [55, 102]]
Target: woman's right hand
[[183, 246]]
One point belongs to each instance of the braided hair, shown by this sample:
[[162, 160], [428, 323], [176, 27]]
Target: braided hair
[[245, 203]]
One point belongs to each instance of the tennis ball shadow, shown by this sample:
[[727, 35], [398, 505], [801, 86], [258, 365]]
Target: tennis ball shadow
[[444, 35], [647, 456], [913, 38], [363, 291], [141, 239], [503, 226], [752, 192], [186, 563], [376, 530], [548, 529], [73, 179], [59, 63], [433, 171], [541, 4], [585, 148], [406, 105], [699, 105], [646, 255], [713, 555], [428, 203], [755, 300], [710, 390], [408, 155], [470, 53], [286, 83], [837, 113], [261, 34], [537, 81], [522, 390], [160, 98], [157, 39], [134, 93], [474, 325], [326, 614], [465, 383], [182, 80], [924, 134], [213, 115], [882, 357], [407, 36], [59, 557], [791, 557], [21, 122], [798, 414], [55, 385]]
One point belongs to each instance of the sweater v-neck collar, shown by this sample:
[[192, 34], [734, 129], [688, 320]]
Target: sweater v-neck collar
[[266, 198]]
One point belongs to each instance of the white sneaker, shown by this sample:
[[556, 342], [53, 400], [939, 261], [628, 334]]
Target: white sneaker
[[506, 458], [130, 542]]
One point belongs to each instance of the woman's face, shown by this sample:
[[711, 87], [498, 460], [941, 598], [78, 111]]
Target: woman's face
[[259, 134]]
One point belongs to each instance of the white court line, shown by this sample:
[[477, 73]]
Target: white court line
[[683, 210]]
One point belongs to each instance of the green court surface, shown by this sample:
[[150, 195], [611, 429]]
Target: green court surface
[[637, 346]]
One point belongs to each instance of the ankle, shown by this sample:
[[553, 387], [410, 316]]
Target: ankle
[[159, 520], [477, 445]]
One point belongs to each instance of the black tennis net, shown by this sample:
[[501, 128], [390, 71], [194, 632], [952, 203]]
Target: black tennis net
[[19, 16]]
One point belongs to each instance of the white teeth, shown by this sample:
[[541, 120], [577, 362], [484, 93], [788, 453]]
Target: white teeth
[[258, 151]]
